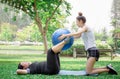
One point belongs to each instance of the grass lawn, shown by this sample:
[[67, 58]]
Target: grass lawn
[[8, 66], [14, 47]]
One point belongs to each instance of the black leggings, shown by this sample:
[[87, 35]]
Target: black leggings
[[53, 63]]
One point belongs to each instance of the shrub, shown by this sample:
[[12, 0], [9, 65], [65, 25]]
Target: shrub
[[69, 52], [99, 44], [117, 30], [7, 32], [118, 43], [102, 44]]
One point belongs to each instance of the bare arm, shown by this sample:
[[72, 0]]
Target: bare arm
[[76, 37], [76, 34], [21, 72]]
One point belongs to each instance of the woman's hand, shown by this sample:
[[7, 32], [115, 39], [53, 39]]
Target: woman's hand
[[21, 71], [62, 37]]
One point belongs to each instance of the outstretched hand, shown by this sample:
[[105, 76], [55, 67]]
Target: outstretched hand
[[62, 37]]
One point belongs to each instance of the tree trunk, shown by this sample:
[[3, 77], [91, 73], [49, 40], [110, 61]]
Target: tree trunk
[[42, 30], [43, 33], [45, 42]]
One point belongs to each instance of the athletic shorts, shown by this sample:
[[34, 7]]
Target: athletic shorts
[[93, 52]]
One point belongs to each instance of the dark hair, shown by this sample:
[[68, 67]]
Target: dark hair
[[20, 66], [81, 17]]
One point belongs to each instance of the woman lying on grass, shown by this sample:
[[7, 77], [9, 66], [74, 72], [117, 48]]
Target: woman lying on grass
[[50, 67]]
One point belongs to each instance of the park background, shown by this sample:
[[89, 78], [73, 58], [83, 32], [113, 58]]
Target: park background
[[25, 33]]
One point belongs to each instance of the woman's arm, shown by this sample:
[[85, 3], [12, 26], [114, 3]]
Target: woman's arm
[[76, 34], [21, 72]]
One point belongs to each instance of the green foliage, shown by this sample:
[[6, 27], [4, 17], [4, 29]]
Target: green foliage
[[114, 21], [110, 41], [42, 11], [69, 52], [101, 36], [13, 16], [99, 44], [115, 13], [118, 43], [116, 35], [29, 33], [21, 36], [117, 30], [54, 25], [45, 7], [34, 33], [104, 32], [98, 36], [6, 9], [50, 32], [7, 32], [102, 44]]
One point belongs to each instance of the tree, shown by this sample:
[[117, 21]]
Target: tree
[[29, 33], [74, 27], [116, 20], [9, 15], [98, 36], [7, 32], [116, 14], [104, 34], [42, 11]]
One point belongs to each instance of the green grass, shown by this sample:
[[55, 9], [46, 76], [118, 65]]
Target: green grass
[[14, 47], [8, 66]]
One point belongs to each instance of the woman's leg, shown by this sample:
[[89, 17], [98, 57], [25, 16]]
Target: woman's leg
[[57, 48], [53, 63], [92, 58], [99, 68], [90, 67]]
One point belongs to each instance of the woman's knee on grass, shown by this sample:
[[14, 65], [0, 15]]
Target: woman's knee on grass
[[90, 65]]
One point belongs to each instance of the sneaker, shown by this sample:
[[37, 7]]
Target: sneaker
[[112, 70], [67, 40]]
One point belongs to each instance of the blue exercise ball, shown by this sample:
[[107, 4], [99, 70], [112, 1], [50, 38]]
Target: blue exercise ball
[[57, 34]]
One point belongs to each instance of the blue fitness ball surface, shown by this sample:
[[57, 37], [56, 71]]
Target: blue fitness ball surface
[[57, 34]]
